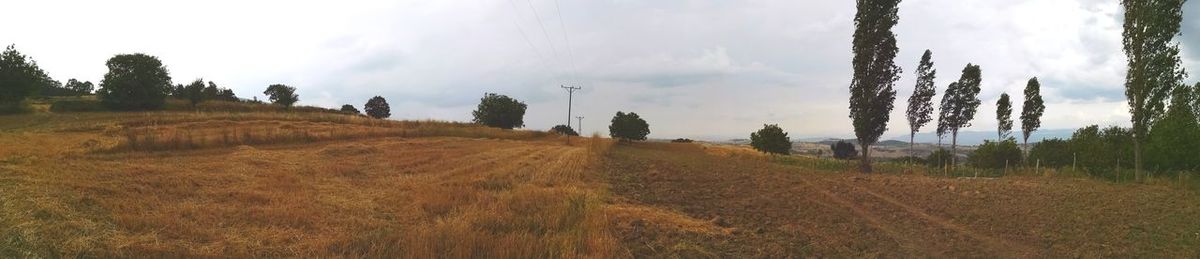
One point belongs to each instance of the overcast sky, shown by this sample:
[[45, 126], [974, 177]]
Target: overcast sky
[[700, 69]]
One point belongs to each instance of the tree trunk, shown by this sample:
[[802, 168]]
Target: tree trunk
[[866, 159], [953, 149], [1025, 151], [911, 147], [1137, 159]]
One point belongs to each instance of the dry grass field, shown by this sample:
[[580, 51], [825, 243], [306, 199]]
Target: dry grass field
[[264, 184]]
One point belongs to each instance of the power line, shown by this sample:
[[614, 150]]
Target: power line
[[544, 33], [567, 41]]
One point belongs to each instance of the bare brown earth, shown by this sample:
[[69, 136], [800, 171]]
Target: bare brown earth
[[772, 210]]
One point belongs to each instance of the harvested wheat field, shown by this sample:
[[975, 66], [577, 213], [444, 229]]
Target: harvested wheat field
[[279, 185]]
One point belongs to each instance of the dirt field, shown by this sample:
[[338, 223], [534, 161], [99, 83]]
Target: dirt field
[[362, 192], [771, 210]]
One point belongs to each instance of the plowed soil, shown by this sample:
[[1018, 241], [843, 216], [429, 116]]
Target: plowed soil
[[773, 210]]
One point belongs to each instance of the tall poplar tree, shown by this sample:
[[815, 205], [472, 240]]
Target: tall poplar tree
[[920, 104], [1031, 112], [960, 103], [875, 72], [1153, 63], [1003, 117]]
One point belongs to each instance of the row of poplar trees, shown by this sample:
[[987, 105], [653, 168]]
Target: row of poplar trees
[[1154, 70]]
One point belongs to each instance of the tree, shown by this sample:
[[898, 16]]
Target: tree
[[378, 108], [843, 150], [1031, 111], [939, 158], [134, 82], [500, 111], [996, 154], [1153, 63], [1053, 152], [80, 88], [771, 139], [1003, 117], [346, 108], [564, 130], [959, 104], [20, 77], [282, 94], [920, 104], [1174, 141], [628, 126], [875, 72], [194, 92]]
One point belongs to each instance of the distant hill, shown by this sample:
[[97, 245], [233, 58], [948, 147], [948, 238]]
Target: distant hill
[[977, 137]]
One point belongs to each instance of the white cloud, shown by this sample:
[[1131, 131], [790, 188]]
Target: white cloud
[[692, 68]]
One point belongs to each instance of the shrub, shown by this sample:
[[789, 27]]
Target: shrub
[[996, 154], [20, 78], [1050, 153], [910, 160], [681, 140], [378, 108], [843, 150], [77, 106], [500, 111], [282, 94], [349, 109], [564, 130], [939, 158], [628, 126], [771, 139], [135, 82]]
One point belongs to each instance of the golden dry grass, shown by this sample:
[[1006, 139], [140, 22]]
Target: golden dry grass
[[64, 192]]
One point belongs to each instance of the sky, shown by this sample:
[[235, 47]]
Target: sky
[[712, 70]]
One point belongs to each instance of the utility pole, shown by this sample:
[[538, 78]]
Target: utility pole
[[580, 131], [570, 96]]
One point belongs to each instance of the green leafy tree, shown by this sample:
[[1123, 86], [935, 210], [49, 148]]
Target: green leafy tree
[[1053, 152], [1154, 65], [843, 150], [1031, 111], [194, 92], [500, 111], [1003, 117], [996, 154], [771, 139], [135, 82], [939, 158], [564, 130], [628, 126], [1174, 142], [20, 77], [875, 72], [920, 104], [378, 108], [960, 103], [80, 88], [282, 94], [346, 108]]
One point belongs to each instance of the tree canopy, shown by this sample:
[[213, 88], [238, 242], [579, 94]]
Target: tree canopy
[[564, 130], [1003, 117], [628, 126], [135, 82], [346, 108], [20, 77], [771, 139], [920, 104], [875, 72], [377, 108], [960, 103], [1031, 110], [1154, 65], [282, 94], [500, 111]]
